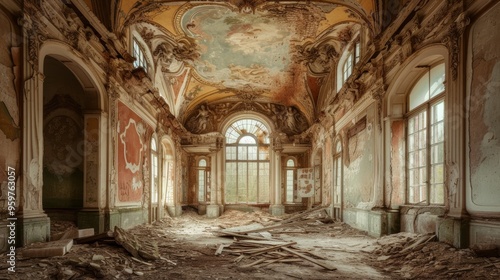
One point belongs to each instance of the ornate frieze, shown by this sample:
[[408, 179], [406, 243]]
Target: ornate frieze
[[207, 117]]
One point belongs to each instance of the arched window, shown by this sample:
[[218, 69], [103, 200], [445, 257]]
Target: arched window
[[347, 68], [425, 138], [140, 59], [203, 180], [352, 57], [291, 181], [247, 162]]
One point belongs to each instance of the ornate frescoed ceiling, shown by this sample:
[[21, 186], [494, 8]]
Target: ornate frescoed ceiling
[[266, 52]]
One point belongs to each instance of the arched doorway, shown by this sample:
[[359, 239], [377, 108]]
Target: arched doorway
[[74, 139]]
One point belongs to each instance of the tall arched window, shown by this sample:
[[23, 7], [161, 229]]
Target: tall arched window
[[202, 180], [291, 181], [425, 138], [247, 162]]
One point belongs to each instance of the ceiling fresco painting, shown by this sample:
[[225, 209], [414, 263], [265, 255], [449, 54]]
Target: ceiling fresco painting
[[273, 52]]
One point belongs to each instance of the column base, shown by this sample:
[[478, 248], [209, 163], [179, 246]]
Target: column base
[[213, 211], [454, 231], [33, 229], [277, 210], [174, 211]]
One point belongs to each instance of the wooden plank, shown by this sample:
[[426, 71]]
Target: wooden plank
[[254, 263], [272, 248], [305, 213], [324, 265]]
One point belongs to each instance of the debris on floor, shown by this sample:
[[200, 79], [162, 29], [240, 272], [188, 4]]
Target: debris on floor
[[419, 256], [293, 246]]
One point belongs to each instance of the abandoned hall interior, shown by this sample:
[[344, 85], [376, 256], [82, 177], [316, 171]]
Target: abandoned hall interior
[[120, 113]]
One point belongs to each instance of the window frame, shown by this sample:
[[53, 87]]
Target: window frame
[[139, 54], [293, 169], [202, 169], [425, 107], [238, 130]]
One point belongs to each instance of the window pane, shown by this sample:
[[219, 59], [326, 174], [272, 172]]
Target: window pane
[[201, 185], [263, 153], [252, 182], [247, 140], [420, 92], [230, 190], [242, 153], [290, 163], [202, 162], [437, 80], [252, 152], [437, 194], [289, 186], [242, 182], [263, 182], [230, 153]]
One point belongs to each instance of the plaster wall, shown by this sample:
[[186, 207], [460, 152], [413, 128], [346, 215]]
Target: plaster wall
[[483, 151], [134, 138], [359, 167], [10, 131]]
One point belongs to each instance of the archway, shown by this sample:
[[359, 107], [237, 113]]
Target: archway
[[74, 138]]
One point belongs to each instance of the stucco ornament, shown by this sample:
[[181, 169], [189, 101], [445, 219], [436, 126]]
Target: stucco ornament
[[132, 160]]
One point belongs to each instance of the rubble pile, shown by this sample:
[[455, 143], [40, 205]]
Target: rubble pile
[[419, 256]]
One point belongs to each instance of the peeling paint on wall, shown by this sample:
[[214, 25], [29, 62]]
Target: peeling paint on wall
[[396, 193], [484, 121]]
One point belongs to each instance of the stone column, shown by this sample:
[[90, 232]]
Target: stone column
[[276, 208], [454, 229], [33, 225], [215, 208], [95, 154]]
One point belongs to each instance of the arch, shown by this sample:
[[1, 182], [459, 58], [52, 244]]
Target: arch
[[412, 129], [247, 161], [240, 116], [409, 73], [89, 78]]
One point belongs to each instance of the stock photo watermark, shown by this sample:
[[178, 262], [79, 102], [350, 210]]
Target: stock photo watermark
[[11, 219]]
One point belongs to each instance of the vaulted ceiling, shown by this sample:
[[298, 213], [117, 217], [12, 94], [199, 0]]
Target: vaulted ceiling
[[240, 51]]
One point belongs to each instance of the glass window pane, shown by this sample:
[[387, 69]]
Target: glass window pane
[[230, 153], [252, 152], [201, 185], [263, 182], [290, 163], [242, 153], [420, 92], [242, 182], [263, 153], [230, 187], [437, 79], [202, 162]]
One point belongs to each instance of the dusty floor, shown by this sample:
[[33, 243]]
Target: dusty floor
[[187, 246]]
